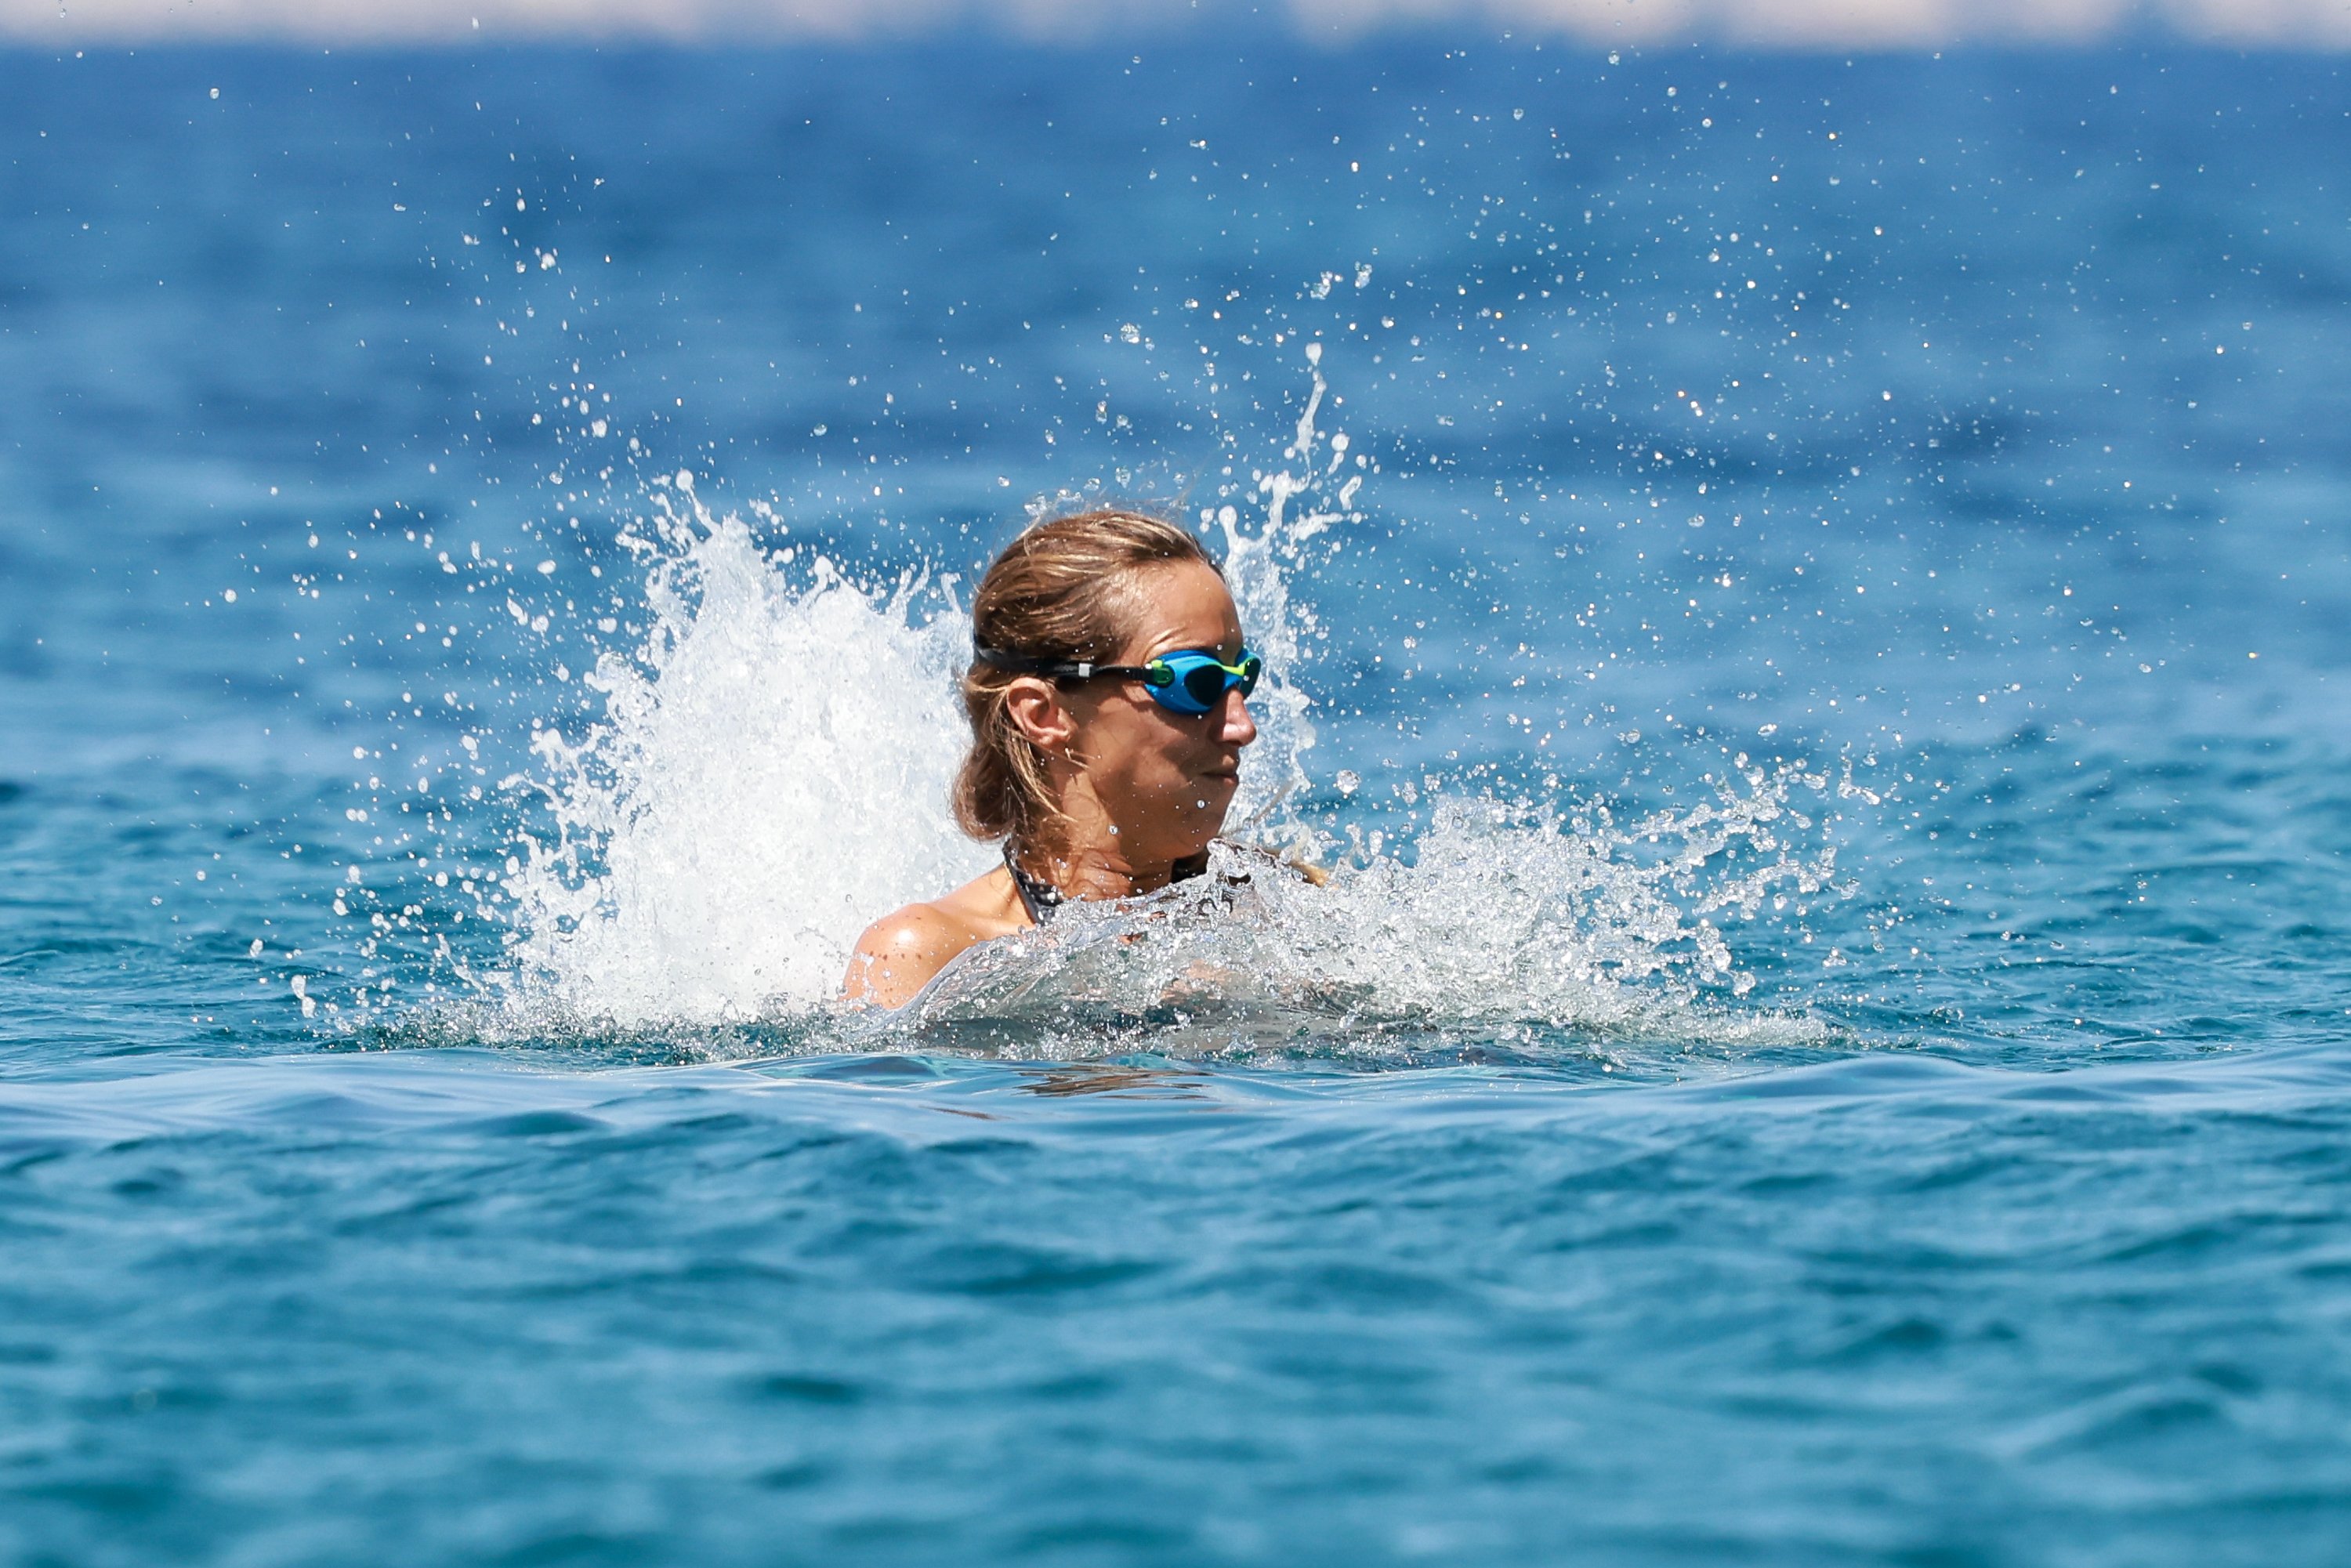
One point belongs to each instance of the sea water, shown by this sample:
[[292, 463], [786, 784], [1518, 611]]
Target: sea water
[[1804, 603]]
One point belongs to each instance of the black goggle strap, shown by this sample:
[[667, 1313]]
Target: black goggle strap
[[1055, 669], [1158, 673]]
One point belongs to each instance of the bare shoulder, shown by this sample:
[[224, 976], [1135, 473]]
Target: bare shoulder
[[899, 953]]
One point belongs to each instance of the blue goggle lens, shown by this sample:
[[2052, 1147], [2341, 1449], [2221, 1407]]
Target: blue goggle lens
[[1194, 683]]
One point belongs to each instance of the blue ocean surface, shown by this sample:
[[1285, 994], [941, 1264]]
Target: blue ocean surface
[[1806, 598]]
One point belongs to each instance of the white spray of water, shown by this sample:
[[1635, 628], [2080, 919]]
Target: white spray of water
[[1258, 564], [770, 772], [1507, 918]]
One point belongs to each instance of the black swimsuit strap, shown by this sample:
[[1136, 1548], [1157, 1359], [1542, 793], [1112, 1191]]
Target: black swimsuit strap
[[1039, 897]]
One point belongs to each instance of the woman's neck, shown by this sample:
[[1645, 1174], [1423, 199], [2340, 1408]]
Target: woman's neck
[[1101, 868], [1083, 853]]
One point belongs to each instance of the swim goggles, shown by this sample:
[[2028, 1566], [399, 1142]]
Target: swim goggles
[[1190, 682]]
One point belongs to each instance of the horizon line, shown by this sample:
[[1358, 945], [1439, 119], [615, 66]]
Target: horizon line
[[1789, 25]]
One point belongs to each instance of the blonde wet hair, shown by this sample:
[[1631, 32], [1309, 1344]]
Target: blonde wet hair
[[1064, 591]]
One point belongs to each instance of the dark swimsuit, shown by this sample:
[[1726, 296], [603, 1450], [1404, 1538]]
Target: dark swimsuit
[[1039, 898]]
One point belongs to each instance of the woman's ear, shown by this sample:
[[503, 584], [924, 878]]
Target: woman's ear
[[1035, 709]]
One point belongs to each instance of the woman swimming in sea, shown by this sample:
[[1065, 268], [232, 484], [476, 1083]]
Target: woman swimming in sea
[[1108, 699]]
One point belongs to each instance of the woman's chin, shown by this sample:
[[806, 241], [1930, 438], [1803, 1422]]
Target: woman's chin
[[1216, 794], [1186, 831]]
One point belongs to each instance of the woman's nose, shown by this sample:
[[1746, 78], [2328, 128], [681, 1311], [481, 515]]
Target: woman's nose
[[1238, 728]]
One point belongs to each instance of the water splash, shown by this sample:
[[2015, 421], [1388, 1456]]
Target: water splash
[[1258, 566], [769, 773], [1510, 921]]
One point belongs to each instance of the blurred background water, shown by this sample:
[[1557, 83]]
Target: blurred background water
[[1825, 687]]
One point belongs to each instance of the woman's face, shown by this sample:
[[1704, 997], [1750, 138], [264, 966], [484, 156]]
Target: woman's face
[[1165, 778]]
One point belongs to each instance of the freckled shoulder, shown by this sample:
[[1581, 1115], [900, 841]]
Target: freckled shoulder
[[900, 952]]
